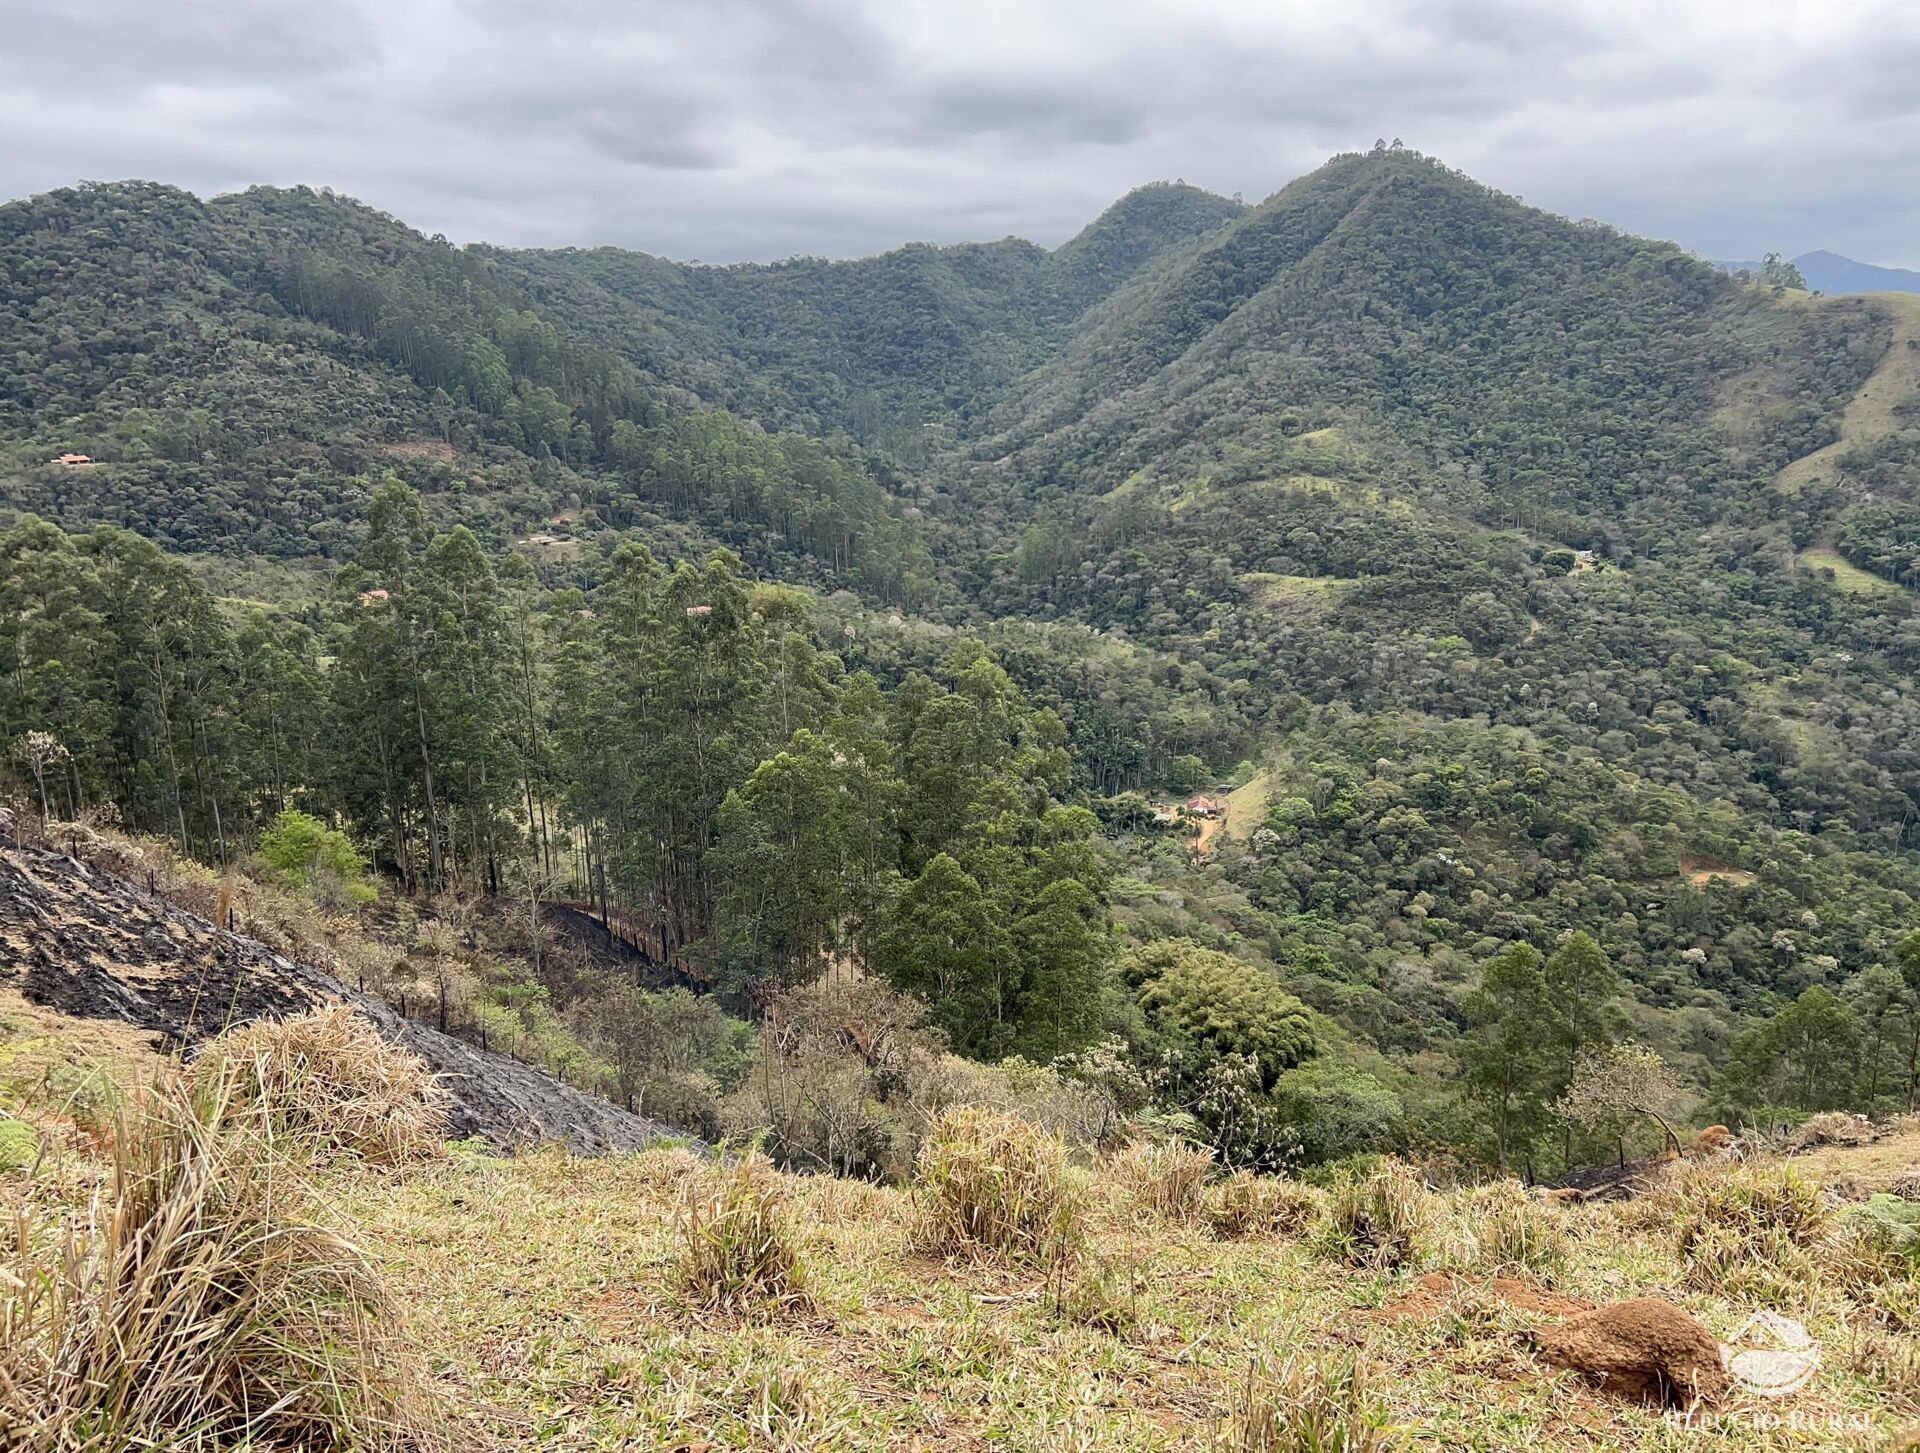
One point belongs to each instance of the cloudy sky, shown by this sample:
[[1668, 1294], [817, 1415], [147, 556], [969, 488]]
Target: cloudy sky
[[727, 129]]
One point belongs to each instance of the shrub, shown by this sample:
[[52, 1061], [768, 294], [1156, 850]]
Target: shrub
[[739, 1253], [1245, 1204], [1830, 1127], [1510, 1230], [1309, 1407], [198, 1306], [1224, 1003], [991, 1183], [1380, 1218], [330, 1075], [308, 854], [1166, 1178]]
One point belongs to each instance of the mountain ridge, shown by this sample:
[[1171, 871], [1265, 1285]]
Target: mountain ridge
[[1829, 272]]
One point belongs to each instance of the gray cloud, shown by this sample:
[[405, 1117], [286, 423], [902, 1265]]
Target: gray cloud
[[727, 129]]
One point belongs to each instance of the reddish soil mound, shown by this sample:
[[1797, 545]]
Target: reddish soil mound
[[1433, 1291], [1713, 1138], [1644, 1349]]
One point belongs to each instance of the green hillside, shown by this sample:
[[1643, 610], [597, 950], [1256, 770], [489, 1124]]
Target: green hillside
[[860, 615], [878, 347]]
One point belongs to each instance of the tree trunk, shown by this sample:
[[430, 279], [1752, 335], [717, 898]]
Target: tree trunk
[[434, 862]]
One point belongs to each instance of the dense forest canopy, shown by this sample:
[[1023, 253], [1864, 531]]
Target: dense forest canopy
[[1539, 599]]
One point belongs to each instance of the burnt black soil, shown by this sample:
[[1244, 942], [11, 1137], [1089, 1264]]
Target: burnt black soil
[[91, 944]]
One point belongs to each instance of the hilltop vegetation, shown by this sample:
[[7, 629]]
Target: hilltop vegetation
[[850, 619]]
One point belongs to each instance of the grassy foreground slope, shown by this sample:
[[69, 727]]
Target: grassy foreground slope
[[547, 1301]]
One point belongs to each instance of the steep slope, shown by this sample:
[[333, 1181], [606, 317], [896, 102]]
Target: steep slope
[[1558, 367], [88, 944], [1862, 492]]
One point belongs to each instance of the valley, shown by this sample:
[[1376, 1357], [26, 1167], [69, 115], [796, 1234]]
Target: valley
[[739, 706]]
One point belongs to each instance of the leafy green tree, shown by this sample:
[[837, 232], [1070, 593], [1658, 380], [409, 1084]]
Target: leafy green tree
[[1508, 1061], [785, 860], [1224, 1005], [307, 853], [1337, 1109], [1777, 272], [1880, 1002], [1800, 1059], [1907, 954], [1066, 954], [947, 944]]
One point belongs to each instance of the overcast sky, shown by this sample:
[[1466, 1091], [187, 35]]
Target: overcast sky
[[728, 129]]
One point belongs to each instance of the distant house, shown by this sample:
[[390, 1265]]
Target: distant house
[[1165, 812], [372, 597], [72, 460], [696, 611], [1205, 807]]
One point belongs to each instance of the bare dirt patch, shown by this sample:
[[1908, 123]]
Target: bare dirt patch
[[1433, 1292], [422, 449], [1698, 871]]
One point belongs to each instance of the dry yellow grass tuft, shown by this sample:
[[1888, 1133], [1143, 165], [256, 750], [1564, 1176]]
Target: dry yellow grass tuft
[[197, 1305], [739, 1254], [1382, 1218], [1308, 1407], [1245, 1204], [994, 1184], [1510, 1230], [1165, 1178], [329, 1074], [1748, 1231]]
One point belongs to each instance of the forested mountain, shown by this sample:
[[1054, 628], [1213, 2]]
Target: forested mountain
[[1535, 589], [882, 346]]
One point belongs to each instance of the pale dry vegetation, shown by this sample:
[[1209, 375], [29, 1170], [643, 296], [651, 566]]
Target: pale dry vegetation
[[1021, 1293], [740, 1252], [994, 1185], [200, 1300], [328, 1076]]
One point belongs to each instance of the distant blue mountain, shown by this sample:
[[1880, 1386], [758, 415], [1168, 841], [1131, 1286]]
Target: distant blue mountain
[[1830, 273]]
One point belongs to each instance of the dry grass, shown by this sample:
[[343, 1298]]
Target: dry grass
[[1245, 1204], [1876, 410], [1164, 1178], [1748, 1231], [996, 1185], [1308, 1407], [330, 1076], [1381, 1219], [1510, 1230], [197, 1305], [557, 1307], [550, 1291], [1103, 1292], [738, 1253]]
